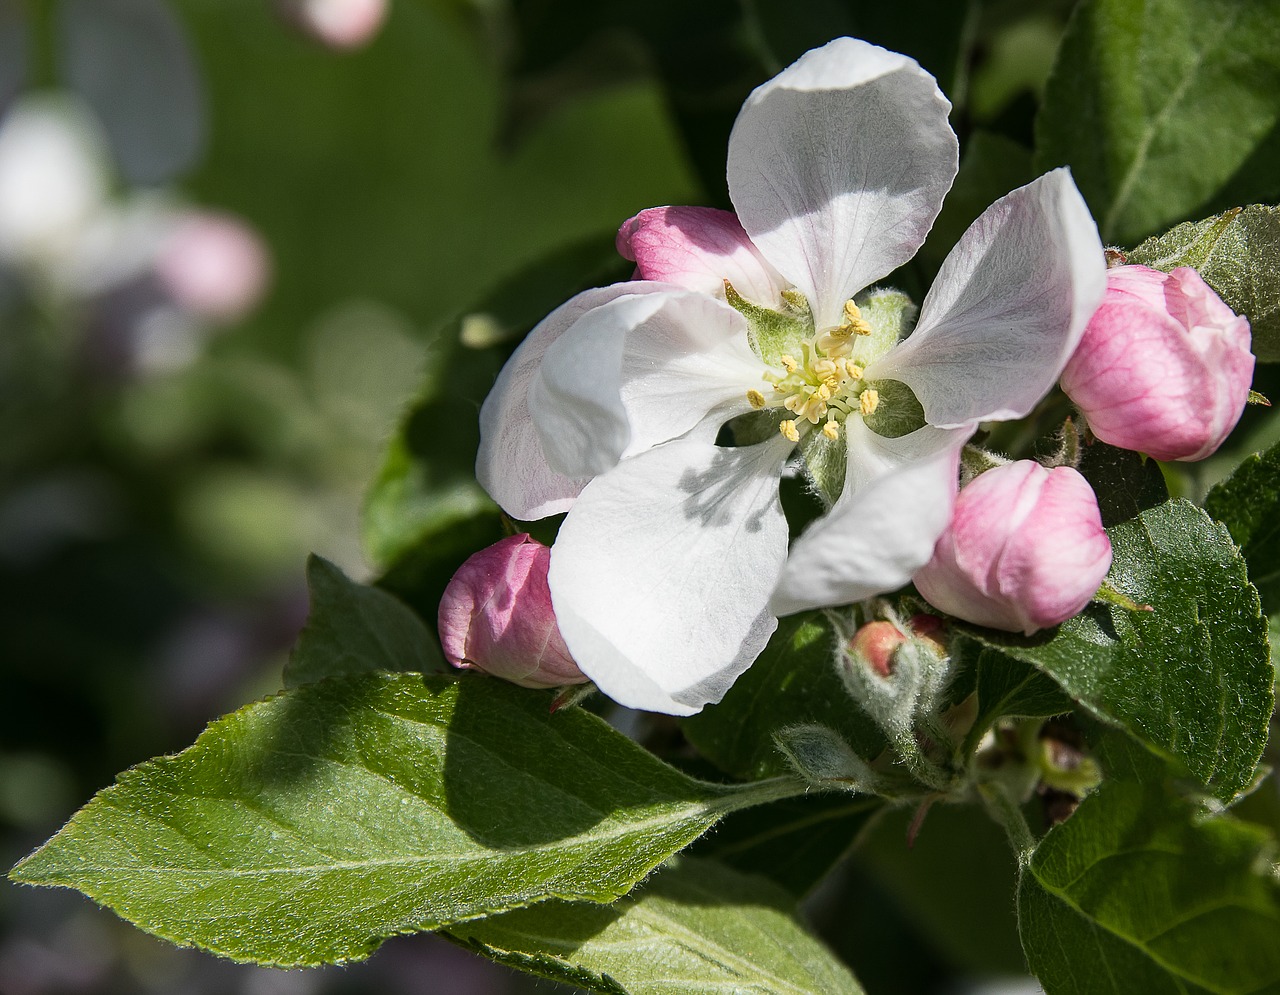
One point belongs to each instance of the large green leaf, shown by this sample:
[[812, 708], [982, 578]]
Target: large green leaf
[[1165, 109], [307, 828], [696, 927], [1192, 678], [1248, 503], [1137, 893], [353, 629], [793, 682], [1238, 254]]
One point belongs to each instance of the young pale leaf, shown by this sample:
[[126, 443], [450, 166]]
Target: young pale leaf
[[353, 629], [1192, 678], [307, 828], [1162, 107], [1136, 893], [794, 681], [1248, 504], [1238, 254], [794, 842], [695, 927]]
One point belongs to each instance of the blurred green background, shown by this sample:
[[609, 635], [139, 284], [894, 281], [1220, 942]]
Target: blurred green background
[[422, 200]]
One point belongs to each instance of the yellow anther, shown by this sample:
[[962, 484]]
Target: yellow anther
[[788, 363], [756, 399], [823, 393], [868, 401], [788, 430], [853, 371], [853, 322], [823, 369], [831, 430], [851, 312]]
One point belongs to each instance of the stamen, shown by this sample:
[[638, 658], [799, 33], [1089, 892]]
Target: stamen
[[854, 321], [789, 363], [788, 430], [756, 399], [854, 371], [831, 430], [868, 401]]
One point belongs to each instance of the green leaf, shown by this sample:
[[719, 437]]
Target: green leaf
[[307, 828], [1238, 254], [1164, 108], [794, 842], [1009, 687], [1137, 893], [793, 682], [1248, 504], [353, 629], [1191, 679], [1126, 483], [695, 927]]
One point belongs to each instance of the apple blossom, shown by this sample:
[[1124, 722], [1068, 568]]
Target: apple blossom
[[1164, 366], [213, 265], [672, 564], [496, 616], [337, 24], [1025, 549]]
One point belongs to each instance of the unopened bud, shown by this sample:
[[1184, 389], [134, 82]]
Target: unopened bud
[[1164, 366], [496, 616], [213, 266], [337, 24], [875, 645], [1025, 549]]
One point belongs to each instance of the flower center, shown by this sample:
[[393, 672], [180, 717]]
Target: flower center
[[823, 385]]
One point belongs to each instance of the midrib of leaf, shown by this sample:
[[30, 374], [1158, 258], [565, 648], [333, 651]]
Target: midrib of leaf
[[1177, 973], [1119, 202]]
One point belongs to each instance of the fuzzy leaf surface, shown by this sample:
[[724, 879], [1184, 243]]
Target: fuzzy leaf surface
[[1191, 679], [1164, 109], [307, 828], [354, 629], [1135, 893], [1248, 504], [696, 927]]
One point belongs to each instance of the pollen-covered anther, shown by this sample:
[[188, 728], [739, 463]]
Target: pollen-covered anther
[[788, 430], [831, 430], [756, 399], [868, 401], [853, 371], [853, 320], [788, 363]]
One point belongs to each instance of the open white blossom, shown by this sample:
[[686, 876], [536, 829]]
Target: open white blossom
[[672, 564]]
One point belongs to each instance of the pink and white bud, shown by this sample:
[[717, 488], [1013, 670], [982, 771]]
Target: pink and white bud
[[213, 266], [1025, 549], [496, 616], [878, 643], [698, 248], [337, 24], [1164, 367]]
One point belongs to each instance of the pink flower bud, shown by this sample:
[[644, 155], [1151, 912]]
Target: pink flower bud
[[1164, 367], [214, 266], [337, 24], [1025, 549], [876, 644], [496, 616]]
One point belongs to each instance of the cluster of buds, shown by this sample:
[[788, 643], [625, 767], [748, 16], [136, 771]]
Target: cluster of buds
[[1163, 368]]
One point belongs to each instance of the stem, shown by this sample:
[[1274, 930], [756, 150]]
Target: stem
[[1006, 812]]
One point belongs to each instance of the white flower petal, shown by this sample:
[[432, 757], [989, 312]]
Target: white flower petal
[[662, 572], [1007, 309], [838, 167], [637, 372], [510, 464], [896, 502], [690, 357]]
